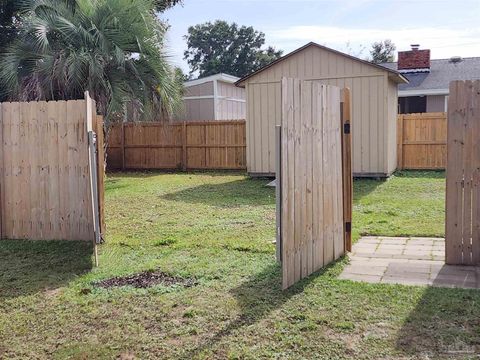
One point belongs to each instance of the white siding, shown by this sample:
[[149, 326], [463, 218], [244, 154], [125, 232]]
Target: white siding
[[436, 103]]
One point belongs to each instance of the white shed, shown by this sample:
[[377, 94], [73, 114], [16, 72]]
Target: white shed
[[374, 106], [213, 98]]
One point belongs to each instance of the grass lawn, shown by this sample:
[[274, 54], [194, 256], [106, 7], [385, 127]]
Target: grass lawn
[[218, 228]]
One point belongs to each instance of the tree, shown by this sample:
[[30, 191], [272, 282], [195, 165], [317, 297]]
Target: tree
[[162, 5], [221, 47], [112, 48], [383, 51]]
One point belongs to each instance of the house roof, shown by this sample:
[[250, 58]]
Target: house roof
[[398, 77], [437, 81], [220, 77]]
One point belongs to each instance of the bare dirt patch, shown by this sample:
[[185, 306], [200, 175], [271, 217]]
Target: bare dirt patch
[[146, 279]]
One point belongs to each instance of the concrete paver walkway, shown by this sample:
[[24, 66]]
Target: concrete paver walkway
[[408, 261]]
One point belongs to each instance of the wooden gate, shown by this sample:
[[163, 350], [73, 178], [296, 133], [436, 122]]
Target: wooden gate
[[51, 182], [315, 177], [462, 233]]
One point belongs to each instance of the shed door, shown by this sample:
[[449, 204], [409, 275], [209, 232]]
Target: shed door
[[312, 225]]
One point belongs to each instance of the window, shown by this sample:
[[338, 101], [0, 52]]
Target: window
[[412, 104]]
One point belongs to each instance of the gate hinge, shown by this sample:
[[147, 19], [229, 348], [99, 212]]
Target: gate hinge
[[348, 226], [346, 128]]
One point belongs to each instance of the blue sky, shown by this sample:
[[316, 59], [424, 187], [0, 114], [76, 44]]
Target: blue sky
[[448, 28]]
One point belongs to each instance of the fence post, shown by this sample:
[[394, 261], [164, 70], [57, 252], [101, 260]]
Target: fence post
[[101, 171], [345, 119], [400, 142], [123, 145], [184, 146], [278, 191]]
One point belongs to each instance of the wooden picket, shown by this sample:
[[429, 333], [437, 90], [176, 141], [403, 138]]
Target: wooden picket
[[312, 179], [463, 174], [178, 145], [45, 174], [422, 141]]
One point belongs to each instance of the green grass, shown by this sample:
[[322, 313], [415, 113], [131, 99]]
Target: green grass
[[218, 228]]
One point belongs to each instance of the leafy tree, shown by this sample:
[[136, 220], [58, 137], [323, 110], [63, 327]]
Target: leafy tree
[[223, 47], [112, 48], [162, 5], [383, 51]]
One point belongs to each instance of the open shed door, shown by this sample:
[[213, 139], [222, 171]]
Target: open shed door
[[315, 177]]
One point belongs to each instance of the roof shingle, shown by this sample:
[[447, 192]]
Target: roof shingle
[[442, 71]]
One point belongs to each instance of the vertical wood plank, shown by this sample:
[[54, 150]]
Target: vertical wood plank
[[476, 175], [454, 189], [288, 195], [400, 142], [123, 145], [318, 192], [347, 168], [184, 146], [99, 129]]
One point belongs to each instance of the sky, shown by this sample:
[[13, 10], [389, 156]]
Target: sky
[[446, 27]]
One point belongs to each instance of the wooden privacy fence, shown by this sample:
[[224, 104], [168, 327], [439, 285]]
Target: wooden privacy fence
[[315, 177], [51, 182], [422, 141], [462, 233], [182, 145]]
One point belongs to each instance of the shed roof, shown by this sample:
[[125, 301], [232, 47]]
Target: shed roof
[[442, 72], [220, 77], [396, 76]]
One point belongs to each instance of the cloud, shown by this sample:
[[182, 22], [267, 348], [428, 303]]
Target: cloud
[[444, 42]]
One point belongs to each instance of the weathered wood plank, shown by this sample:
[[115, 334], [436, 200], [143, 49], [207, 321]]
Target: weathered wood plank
[[454, 191]]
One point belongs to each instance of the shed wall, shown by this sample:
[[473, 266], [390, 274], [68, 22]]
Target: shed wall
[[372, 120], [231, 102], [391, 119], [198, 109], [200, 89]]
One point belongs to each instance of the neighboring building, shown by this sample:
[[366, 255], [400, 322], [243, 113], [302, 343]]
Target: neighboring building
[[213, 98], [427, 90], [374, 106]]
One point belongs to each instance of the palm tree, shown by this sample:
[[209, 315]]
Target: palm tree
[[112, 48]]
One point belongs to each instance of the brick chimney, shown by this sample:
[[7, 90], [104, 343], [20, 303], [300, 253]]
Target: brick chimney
[[414, 60]]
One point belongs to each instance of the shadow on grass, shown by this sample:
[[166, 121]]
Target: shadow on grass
[[139, 173], [444, 324], [257, 298], [27, 267], [229, 194], [362, 187], [420, 174]]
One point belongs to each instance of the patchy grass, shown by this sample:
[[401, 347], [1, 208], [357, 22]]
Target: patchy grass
[[218, 228], [408, 203]]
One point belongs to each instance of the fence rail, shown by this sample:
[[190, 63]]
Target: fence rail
[[179, 145], [422, 141]]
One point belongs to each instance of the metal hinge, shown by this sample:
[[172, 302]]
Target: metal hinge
[[348, 226], [346, 128]]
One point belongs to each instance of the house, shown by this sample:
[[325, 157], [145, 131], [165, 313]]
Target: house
[[213, 98], [429, 79], [374, 106]]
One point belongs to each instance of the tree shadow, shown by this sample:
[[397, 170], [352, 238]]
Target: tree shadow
[[235, 193], [362, 187], [444, 324], [420, 174], [27, 267], [257, 298]]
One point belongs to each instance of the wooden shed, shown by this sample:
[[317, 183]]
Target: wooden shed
[[374, 106], [213, 98]]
